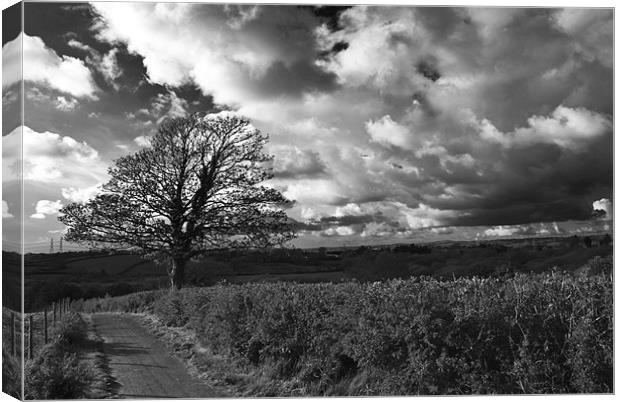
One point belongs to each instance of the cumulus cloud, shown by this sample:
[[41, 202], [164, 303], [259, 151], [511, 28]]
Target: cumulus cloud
[[46, 207], [109, 67], [566, 127], [387, 131], [388, 34], [168, 105], [314, 191], [500, 231], [292, 162], [50, 158], [379, 219], [605, 206], [80, 194], [5, 210], [338, 231], [142, 141], [66, 105], [377, 229], [442, 230], [63, 73], [308, 213], [534, 229]]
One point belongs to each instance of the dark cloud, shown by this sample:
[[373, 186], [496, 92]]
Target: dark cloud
[[348, 220], [428, 68], [11, 109], [11, 22], [57, 22], [295, 79], [330, 15]]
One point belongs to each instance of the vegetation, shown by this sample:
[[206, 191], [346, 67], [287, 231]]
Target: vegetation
[[84, 275], [56, 371], [11, 374], [195, 188], [529, 333]]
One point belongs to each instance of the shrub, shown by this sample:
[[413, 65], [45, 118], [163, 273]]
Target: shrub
[[466, 336], [11, 374], [132, 303], [524, 333], [71, 331], [171, 310], [57, 374]]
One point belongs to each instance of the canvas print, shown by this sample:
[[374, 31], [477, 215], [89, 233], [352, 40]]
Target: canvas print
[[250, 200]]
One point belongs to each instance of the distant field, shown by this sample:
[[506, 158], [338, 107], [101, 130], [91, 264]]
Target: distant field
[[76, 275]]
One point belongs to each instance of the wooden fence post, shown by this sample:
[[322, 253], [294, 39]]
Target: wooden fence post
[[30, 333], [12, 334], [45, 324], [54, 308]]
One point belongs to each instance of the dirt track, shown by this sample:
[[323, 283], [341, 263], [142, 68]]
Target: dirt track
[[141, 364]]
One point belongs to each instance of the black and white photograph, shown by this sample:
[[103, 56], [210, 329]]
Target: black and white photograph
[[237, 200]]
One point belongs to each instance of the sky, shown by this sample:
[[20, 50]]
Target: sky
[[387, 124]]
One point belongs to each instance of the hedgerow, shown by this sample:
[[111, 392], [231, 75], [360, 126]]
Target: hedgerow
[[56, 372], [526, 333]]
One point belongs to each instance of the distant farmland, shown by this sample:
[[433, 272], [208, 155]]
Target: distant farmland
[[79, 275]]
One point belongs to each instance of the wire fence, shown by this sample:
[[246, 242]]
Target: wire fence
[[38, 327]]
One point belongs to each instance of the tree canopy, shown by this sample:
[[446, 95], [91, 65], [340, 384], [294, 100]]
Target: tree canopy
[[198, 186]]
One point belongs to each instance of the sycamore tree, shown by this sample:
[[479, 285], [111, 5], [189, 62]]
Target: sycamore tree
[[198, 186]]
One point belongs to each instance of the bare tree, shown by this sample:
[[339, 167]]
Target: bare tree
[[197, 187]]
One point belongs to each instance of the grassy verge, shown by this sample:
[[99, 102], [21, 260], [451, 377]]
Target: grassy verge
[[71, 366]]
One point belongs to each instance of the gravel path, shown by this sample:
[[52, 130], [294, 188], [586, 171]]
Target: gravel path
[[141, 364]]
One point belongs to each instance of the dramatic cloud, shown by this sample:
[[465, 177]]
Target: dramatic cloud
[[46, 207], [45, 66], [407, 123], [238, 54]]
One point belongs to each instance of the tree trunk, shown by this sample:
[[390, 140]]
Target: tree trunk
[[177, 274]]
